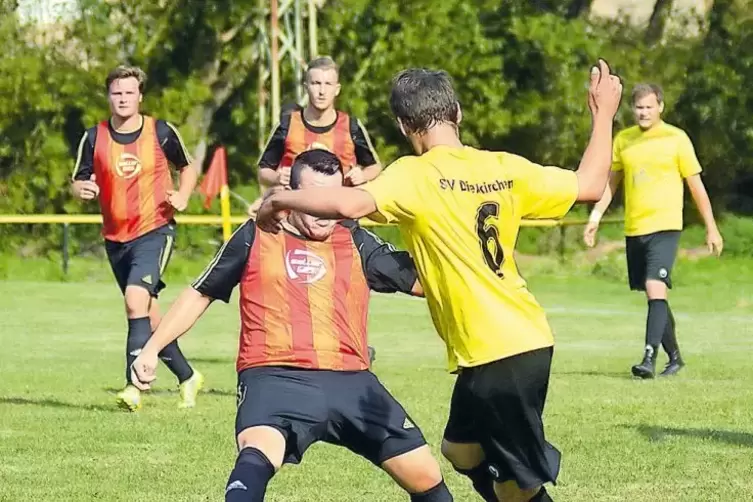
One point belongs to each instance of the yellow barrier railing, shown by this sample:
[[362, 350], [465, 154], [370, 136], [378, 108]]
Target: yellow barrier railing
[[188, 219]]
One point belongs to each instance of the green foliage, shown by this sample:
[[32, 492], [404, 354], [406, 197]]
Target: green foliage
[[520, 69]]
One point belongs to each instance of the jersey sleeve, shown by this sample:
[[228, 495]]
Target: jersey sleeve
[[387, 270], [172, 144], [84, 166], [365, 154], [686, 157], [544, 191], [275, 148], [224, 272], [394, 192], [617, 156]]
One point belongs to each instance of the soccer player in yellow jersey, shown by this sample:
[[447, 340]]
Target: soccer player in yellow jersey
[[654, 158], [459, 210]]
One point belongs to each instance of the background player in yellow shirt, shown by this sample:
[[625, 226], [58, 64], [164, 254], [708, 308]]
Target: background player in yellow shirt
[[459, 210], [654, 158]]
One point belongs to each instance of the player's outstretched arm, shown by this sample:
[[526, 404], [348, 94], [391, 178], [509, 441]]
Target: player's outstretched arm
[[335, 203], [604, 95], [181, 317]]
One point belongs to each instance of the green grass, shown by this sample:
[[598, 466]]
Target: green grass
[[685, 439]]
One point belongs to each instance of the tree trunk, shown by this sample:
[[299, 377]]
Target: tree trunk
[[578, 8], [658, 21]]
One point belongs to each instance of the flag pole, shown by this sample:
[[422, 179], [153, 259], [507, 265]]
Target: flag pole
[[225, 211]]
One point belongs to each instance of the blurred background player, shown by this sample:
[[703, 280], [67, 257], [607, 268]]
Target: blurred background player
[[459, 211], [302, 364], [124, 162], [654, 158], [318, 125]]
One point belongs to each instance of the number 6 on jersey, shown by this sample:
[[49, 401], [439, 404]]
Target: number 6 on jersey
[[488, 236]]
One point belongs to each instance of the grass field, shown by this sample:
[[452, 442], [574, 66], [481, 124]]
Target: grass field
[[685, 439]]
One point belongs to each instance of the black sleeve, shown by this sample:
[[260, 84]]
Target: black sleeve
[[365, 154], [387, 270], [275, 149], [172, 144], [84, 167], [226, 268]]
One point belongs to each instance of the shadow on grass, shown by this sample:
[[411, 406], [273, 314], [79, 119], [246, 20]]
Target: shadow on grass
[[654, 433], [170, 392], [621, 375], [212, 360], [54, 403]]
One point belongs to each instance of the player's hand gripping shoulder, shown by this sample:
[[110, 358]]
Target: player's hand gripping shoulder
[[604, 91], [86, 189], [144, 369]]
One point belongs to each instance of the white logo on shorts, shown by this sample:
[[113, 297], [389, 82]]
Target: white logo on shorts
[[493, 471], [663, 273], [240, 395]]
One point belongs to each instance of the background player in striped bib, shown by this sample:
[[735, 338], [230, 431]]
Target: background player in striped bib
[[302, 362], [124, 162]]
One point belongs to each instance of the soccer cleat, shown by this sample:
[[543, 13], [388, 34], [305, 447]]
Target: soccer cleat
[[674, 364], [129, 398], [190, 389], [372, 354], [647, 367]]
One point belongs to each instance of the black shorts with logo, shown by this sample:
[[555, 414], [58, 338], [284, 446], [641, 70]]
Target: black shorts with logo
[[499, 405], [651, 256], [143, 260], [344, 408]]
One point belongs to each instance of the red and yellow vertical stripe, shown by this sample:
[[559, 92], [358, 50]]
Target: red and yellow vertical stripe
[[337, 140]]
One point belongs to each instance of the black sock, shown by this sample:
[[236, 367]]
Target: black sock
[[542, 496], [176, 361], [139, 331], [249, 479], [483, 482], [669, 340], [656, 322], [439, 493]]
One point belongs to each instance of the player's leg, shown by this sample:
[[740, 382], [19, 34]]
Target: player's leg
[[280, 412], [510, 395], [660, 250], [664, 254], [461, 440], [369, 421]]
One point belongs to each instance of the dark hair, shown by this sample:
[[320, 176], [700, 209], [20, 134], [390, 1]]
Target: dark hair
[[642, 90], [319, 160], [126, 72], [422, 98]]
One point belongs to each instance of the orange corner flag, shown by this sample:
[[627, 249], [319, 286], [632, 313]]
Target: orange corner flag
[[215, 178]]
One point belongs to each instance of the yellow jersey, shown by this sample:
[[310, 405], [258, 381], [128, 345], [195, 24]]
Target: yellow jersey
[[654, 163], [459, 212]]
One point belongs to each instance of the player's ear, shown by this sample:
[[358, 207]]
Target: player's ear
[[459, 115], [661, 107], [402, 129], [141, 98], [337, 89]]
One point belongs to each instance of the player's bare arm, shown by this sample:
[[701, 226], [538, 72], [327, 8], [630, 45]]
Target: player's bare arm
[[85, 189], [181, 317], [604, 95], [700, 196], [589, 233], [189, 176]]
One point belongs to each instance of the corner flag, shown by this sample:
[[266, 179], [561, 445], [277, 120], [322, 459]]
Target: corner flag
[[214, 183]]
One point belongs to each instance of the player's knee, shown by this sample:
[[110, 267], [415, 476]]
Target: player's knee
[[509, 491], [656, 290], [462, 456], [267, 440], [416, 471], [137, 302]]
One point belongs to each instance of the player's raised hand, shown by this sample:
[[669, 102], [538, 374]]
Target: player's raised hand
[[267, 218], [86, 189], [177, 200], [355, 177], [283, 176], [604, 90], [144, 370]]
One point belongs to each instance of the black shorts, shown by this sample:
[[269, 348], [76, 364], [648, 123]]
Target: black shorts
[[651, 256], [142, 261], [499, 405], [344, 408]]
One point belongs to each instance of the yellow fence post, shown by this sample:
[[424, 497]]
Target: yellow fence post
[[225, 212]]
